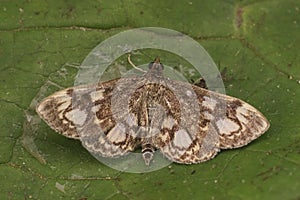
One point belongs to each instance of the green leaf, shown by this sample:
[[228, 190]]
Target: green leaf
[[42, 42]]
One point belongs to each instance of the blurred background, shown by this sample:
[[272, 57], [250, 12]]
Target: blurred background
[[255, 44]]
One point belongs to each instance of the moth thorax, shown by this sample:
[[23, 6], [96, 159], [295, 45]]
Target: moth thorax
[[156, 111]]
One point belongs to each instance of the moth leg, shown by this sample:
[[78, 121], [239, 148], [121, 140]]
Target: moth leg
[[201, 83]]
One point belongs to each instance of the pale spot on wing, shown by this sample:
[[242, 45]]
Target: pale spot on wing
[[95, 108], [189, 93], [253, 117], [117, 134], [152, 132], [208, 116], [131, 120], [182, 139], [168, 122], [77, 116], [63, 106], [97, 95], [209, 103], [61, 115], [241, 113], [106, 145], [165, 136], [226, 126]]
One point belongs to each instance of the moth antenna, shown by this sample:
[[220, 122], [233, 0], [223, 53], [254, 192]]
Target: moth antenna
[[133, 65]]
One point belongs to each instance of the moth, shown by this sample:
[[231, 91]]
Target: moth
[[187, 123]]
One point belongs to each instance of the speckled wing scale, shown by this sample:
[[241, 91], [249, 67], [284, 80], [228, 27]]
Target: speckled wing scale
[[188, 124]]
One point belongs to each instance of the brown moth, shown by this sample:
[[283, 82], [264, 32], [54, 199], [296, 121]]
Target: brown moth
[[188, 124]]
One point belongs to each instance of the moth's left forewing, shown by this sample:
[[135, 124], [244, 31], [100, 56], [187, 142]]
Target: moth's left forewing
[[236, 121], [84, 113], [53, 111]]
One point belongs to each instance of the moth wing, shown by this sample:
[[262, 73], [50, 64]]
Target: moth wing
[[84, 113], [184, 136], [236, 122], [53, 110], [223, 122]]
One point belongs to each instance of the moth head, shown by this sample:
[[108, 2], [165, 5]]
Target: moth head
[[156, 67]]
